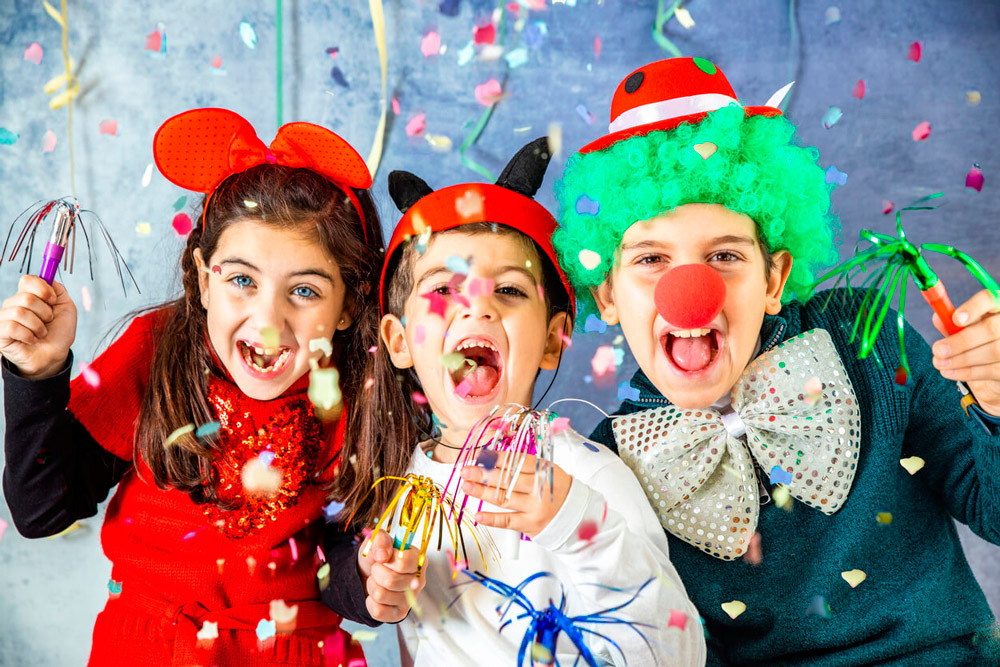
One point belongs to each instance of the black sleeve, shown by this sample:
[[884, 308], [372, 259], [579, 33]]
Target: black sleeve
[[345, 593], [55, 473]]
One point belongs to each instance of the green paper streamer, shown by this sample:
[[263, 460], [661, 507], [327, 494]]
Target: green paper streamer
[[661, 18]]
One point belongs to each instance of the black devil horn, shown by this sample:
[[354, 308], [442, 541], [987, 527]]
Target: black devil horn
[[406, 189], [525, 171]]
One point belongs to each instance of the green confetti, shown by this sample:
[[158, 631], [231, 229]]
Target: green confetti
[[269, 337], [8, 138], [324, 388], [179, 204]]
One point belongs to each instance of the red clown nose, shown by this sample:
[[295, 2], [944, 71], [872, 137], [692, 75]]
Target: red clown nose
[[690, 296]]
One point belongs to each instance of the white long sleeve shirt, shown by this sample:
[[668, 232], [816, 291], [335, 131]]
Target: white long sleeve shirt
[[628, 549]]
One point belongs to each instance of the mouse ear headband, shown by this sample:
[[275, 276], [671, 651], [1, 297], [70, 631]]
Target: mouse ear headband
[[199, 149]]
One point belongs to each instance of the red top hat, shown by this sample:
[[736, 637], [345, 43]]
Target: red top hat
[[467, 203], [664, 94]]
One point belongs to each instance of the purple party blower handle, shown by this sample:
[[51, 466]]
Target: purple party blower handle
[[50, 261]]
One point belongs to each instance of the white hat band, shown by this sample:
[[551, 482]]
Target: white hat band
[[667, 109]]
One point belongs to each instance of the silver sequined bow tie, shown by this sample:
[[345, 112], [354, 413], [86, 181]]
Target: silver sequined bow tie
[[697, 466]]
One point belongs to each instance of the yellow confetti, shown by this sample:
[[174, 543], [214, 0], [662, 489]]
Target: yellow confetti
[[439, 142], [782, 496], [324, 388], [323, 576], [973, 98], [555, 139], [269, 337], [364, 635], [411, 599], [540, 654], [684, 17], [143, 228], [249, 203], [854, 577], [258, 478], [183, 430], [75, 526], [912, 464], [884, 518], [590, 259], [734, 608], [321, 344], [705, 150]]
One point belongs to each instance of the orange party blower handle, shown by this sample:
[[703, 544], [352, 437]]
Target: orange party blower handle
[[938, 299]]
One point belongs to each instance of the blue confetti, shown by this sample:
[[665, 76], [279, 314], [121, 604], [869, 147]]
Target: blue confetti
[[266, 457], [619, 355], [591, 446], [208, 429], [534, 34], [338, 77], [594, 323], [333, 509], [832, 115], [627, 392], [265, 629], [487, 459], [114, 586], [7, 138], [587, 117], [834, 175], [517, 57], [466, 53], [450, 7], [456, 264], [248, 34], [779, 476], [587, 206], [190, 535]]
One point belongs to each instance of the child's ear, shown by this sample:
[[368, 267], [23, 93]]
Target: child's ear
[[604, 297], [776, 281], [203, 275], [347, 313], [393, 334], [560, 327]]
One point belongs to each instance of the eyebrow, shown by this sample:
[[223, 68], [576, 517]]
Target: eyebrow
[[304, 272], [718, 240], [437, 270]]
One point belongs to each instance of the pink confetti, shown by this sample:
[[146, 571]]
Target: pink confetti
[[34, 53], [603, 361], [108, 127], [567, 341], [489, 92], [559, 424], [887, 207], [463, 388], [419, 398], [438, 304], [90, 376], [974, 179], [416, 124], [418, 334], [484, 34], [217, 62], [373, 349], [678, 619], [587, 530], [859, 89], [49, 141], [182, 224], [294, 548], [85, 297], [469, 205], [153, 41], [754, 554], [430, 44], [915, 50], [921, 131], [541, 292], [395, 106], [597, 46], [481, 287], [369, 383]]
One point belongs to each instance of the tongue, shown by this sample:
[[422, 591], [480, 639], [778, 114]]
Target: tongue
[[481, 381], [692, 354]]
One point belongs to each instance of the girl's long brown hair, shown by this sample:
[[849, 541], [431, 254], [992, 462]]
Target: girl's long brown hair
[[178, 387]]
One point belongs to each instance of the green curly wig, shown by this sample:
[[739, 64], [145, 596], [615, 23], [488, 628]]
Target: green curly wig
[[760, 169]]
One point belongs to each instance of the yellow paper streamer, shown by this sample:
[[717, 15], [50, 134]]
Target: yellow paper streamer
[[378, 26], [68, 79]]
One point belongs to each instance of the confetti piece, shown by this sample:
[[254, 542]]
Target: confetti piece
[[832, 115], [859, 89], [364, 635], [114, 587], [974, 179], [266, 457], [3, 527], [560, 424], [734, 608], [49, 141], [831, 15], [466, 54], [453, 360], [484, 34], [705, 150], [324, 388], [369, 383], [517, 57], [416, 124], [755, 553], [449, 7], [338, 77], [469, 205], [585, 115], [587, 206], [260, 479], [333, 509], [912, 464], [587, 530], [182, 224], [489, 93], [395, 106], [884, 518], [321, 344], [143, 228], [834, 175], [887, 207], [481, 287], [155, 42], [603, 361], [90, 376], [678, 619], [147, 175], [419, 334], [819, 607], [854, 577], [594, 324], [782, 497], [283, 615], [265, 629], [589, 259], [921, 131], [900, 376], [208, 632], [248, 34], [464, 388], [915, 50], [457, 264], [34, 53], [109, 127], [438, 305], [439, 142], [627, 393], [419, 398], [430, 44], [540, 654], [8, 138], [207, 429], [249, 203], [323, 576], [779, 476], [177, 433], [487, 459], [217, 269], [269, 337], [85, 298], [813, 391], [973, 98], [683, 17], [216, 62]]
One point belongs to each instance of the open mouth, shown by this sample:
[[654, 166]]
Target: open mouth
[[480, 375], [691, 350], [262, 359]]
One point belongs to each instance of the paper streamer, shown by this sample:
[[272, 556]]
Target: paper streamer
[[67, 78], [279, 64], [661, 18], [378, 26]]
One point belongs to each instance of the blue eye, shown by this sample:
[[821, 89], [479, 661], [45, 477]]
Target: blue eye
[[241, 281], [305, 292]]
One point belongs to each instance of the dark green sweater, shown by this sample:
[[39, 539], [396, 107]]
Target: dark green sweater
[[920, 604]]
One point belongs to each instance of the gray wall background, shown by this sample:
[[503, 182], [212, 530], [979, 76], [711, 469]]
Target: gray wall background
[[51, 590]]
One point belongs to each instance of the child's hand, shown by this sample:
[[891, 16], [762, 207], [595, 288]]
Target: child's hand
[[973, 354], [387, 575], [37, 327], [530, 514]]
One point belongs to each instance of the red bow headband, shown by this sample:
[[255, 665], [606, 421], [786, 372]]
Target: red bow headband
[[199, 149]]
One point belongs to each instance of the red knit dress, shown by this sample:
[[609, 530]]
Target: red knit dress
[[179, 567]]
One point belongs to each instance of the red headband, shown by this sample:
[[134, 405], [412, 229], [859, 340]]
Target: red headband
[[199, 149], [468, 203]]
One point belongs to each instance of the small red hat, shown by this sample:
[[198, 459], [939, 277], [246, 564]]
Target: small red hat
[[664, 94]]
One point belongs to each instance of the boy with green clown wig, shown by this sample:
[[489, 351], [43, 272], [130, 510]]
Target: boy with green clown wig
[[770, 453]]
